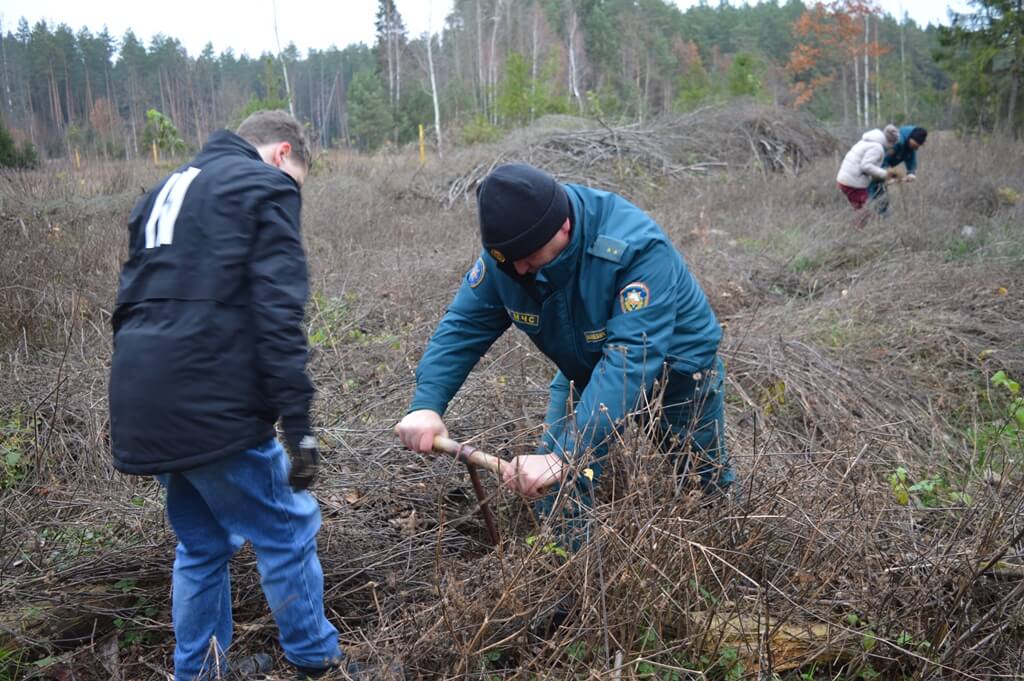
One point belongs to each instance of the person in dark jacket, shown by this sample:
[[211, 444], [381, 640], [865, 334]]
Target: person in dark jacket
[[209, 352], [600, 289], [911, 138]]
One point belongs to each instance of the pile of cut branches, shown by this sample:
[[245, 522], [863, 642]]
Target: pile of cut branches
[[635, 158]]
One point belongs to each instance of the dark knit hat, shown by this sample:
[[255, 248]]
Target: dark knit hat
[[919, 135], [521, 208]]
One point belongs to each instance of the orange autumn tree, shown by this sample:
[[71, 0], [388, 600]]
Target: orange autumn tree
[[831, 43]]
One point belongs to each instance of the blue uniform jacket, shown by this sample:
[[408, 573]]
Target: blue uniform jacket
[[902, 153], [614, 307]]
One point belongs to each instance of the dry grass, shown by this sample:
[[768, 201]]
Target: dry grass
[[851, 354]]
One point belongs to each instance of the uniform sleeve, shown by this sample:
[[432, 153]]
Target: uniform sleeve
[[280, 288], [472, 323], [639, 335], [911, 162], [554, 419]]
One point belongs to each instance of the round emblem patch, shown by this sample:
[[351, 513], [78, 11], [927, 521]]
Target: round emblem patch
[[497, 255], [476, 273], [634, 296]]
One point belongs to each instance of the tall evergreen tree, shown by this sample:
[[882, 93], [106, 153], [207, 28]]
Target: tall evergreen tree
[[985, 51], [369, 112]]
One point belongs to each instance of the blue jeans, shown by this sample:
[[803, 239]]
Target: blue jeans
[[213, 510], [878, 196], [691, 430]]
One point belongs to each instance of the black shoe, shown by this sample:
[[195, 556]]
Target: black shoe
[[250, 667], [351, 670]]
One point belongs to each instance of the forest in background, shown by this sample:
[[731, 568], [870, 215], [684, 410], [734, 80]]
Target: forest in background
[[500, 64]]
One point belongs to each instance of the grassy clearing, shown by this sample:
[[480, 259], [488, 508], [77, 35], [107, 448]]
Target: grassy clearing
[[878, 531]]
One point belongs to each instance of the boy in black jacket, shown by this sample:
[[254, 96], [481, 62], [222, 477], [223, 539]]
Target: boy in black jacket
[[209, 351]]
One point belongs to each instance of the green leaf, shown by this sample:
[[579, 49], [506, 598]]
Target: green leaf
[[924, 486], [576, 651], [645, 669], [898, 482], [1001, 379], [1017, 410], [125, 585]]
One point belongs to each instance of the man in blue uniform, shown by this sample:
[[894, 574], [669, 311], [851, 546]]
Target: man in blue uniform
[[209, 352], [600, 289], [911, 138]]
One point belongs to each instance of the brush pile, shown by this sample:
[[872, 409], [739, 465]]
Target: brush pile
[[638, 158]]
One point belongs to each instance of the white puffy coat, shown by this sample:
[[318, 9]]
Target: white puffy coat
[[864, 161]]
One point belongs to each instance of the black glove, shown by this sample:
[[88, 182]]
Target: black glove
[[305, 456]]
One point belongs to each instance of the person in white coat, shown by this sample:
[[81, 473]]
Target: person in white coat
[[862, 164]]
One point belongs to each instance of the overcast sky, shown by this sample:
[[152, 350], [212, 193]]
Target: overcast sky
[[248, 25]]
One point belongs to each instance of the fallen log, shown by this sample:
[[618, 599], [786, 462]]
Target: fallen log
[[785, 645]]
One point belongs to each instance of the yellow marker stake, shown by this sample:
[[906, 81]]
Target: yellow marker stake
[[78, 160], [423, 148], [156, 155]]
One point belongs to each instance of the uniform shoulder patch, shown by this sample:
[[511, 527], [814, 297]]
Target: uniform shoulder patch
[[476, 273], [634, 296], [608, 248]]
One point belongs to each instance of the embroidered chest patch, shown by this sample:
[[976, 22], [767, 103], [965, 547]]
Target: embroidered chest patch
[[476, 273], [634, 296], [527, 318], [595, 336]]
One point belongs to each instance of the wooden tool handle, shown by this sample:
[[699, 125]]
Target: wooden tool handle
[[469, 454]]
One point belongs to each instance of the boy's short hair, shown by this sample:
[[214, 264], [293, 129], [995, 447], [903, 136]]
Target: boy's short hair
[[272, 126]]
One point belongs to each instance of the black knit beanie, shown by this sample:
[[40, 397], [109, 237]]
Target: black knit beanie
[[521, 208], [919, 135]]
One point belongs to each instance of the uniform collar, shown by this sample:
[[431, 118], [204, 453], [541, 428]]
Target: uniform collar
[[227, 142]]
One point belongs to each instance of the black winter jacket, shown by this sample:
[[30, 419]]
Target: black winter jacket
[[209, 348]]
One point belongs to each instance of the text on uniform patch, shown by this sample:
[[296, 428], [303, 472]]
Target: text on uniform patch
[[525, 318]]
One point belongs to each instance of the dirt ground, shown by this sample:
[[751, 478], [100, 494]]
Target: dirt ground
[[873, 412]]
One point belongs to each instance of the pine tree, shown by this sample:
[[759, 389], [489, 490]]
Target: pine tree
[[745, 76], [985, 51], [370, 116], [13, 156]]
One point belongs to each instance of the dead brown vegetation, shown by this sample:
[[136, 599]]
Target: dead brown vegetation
[[850, 355], [637, 159]]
